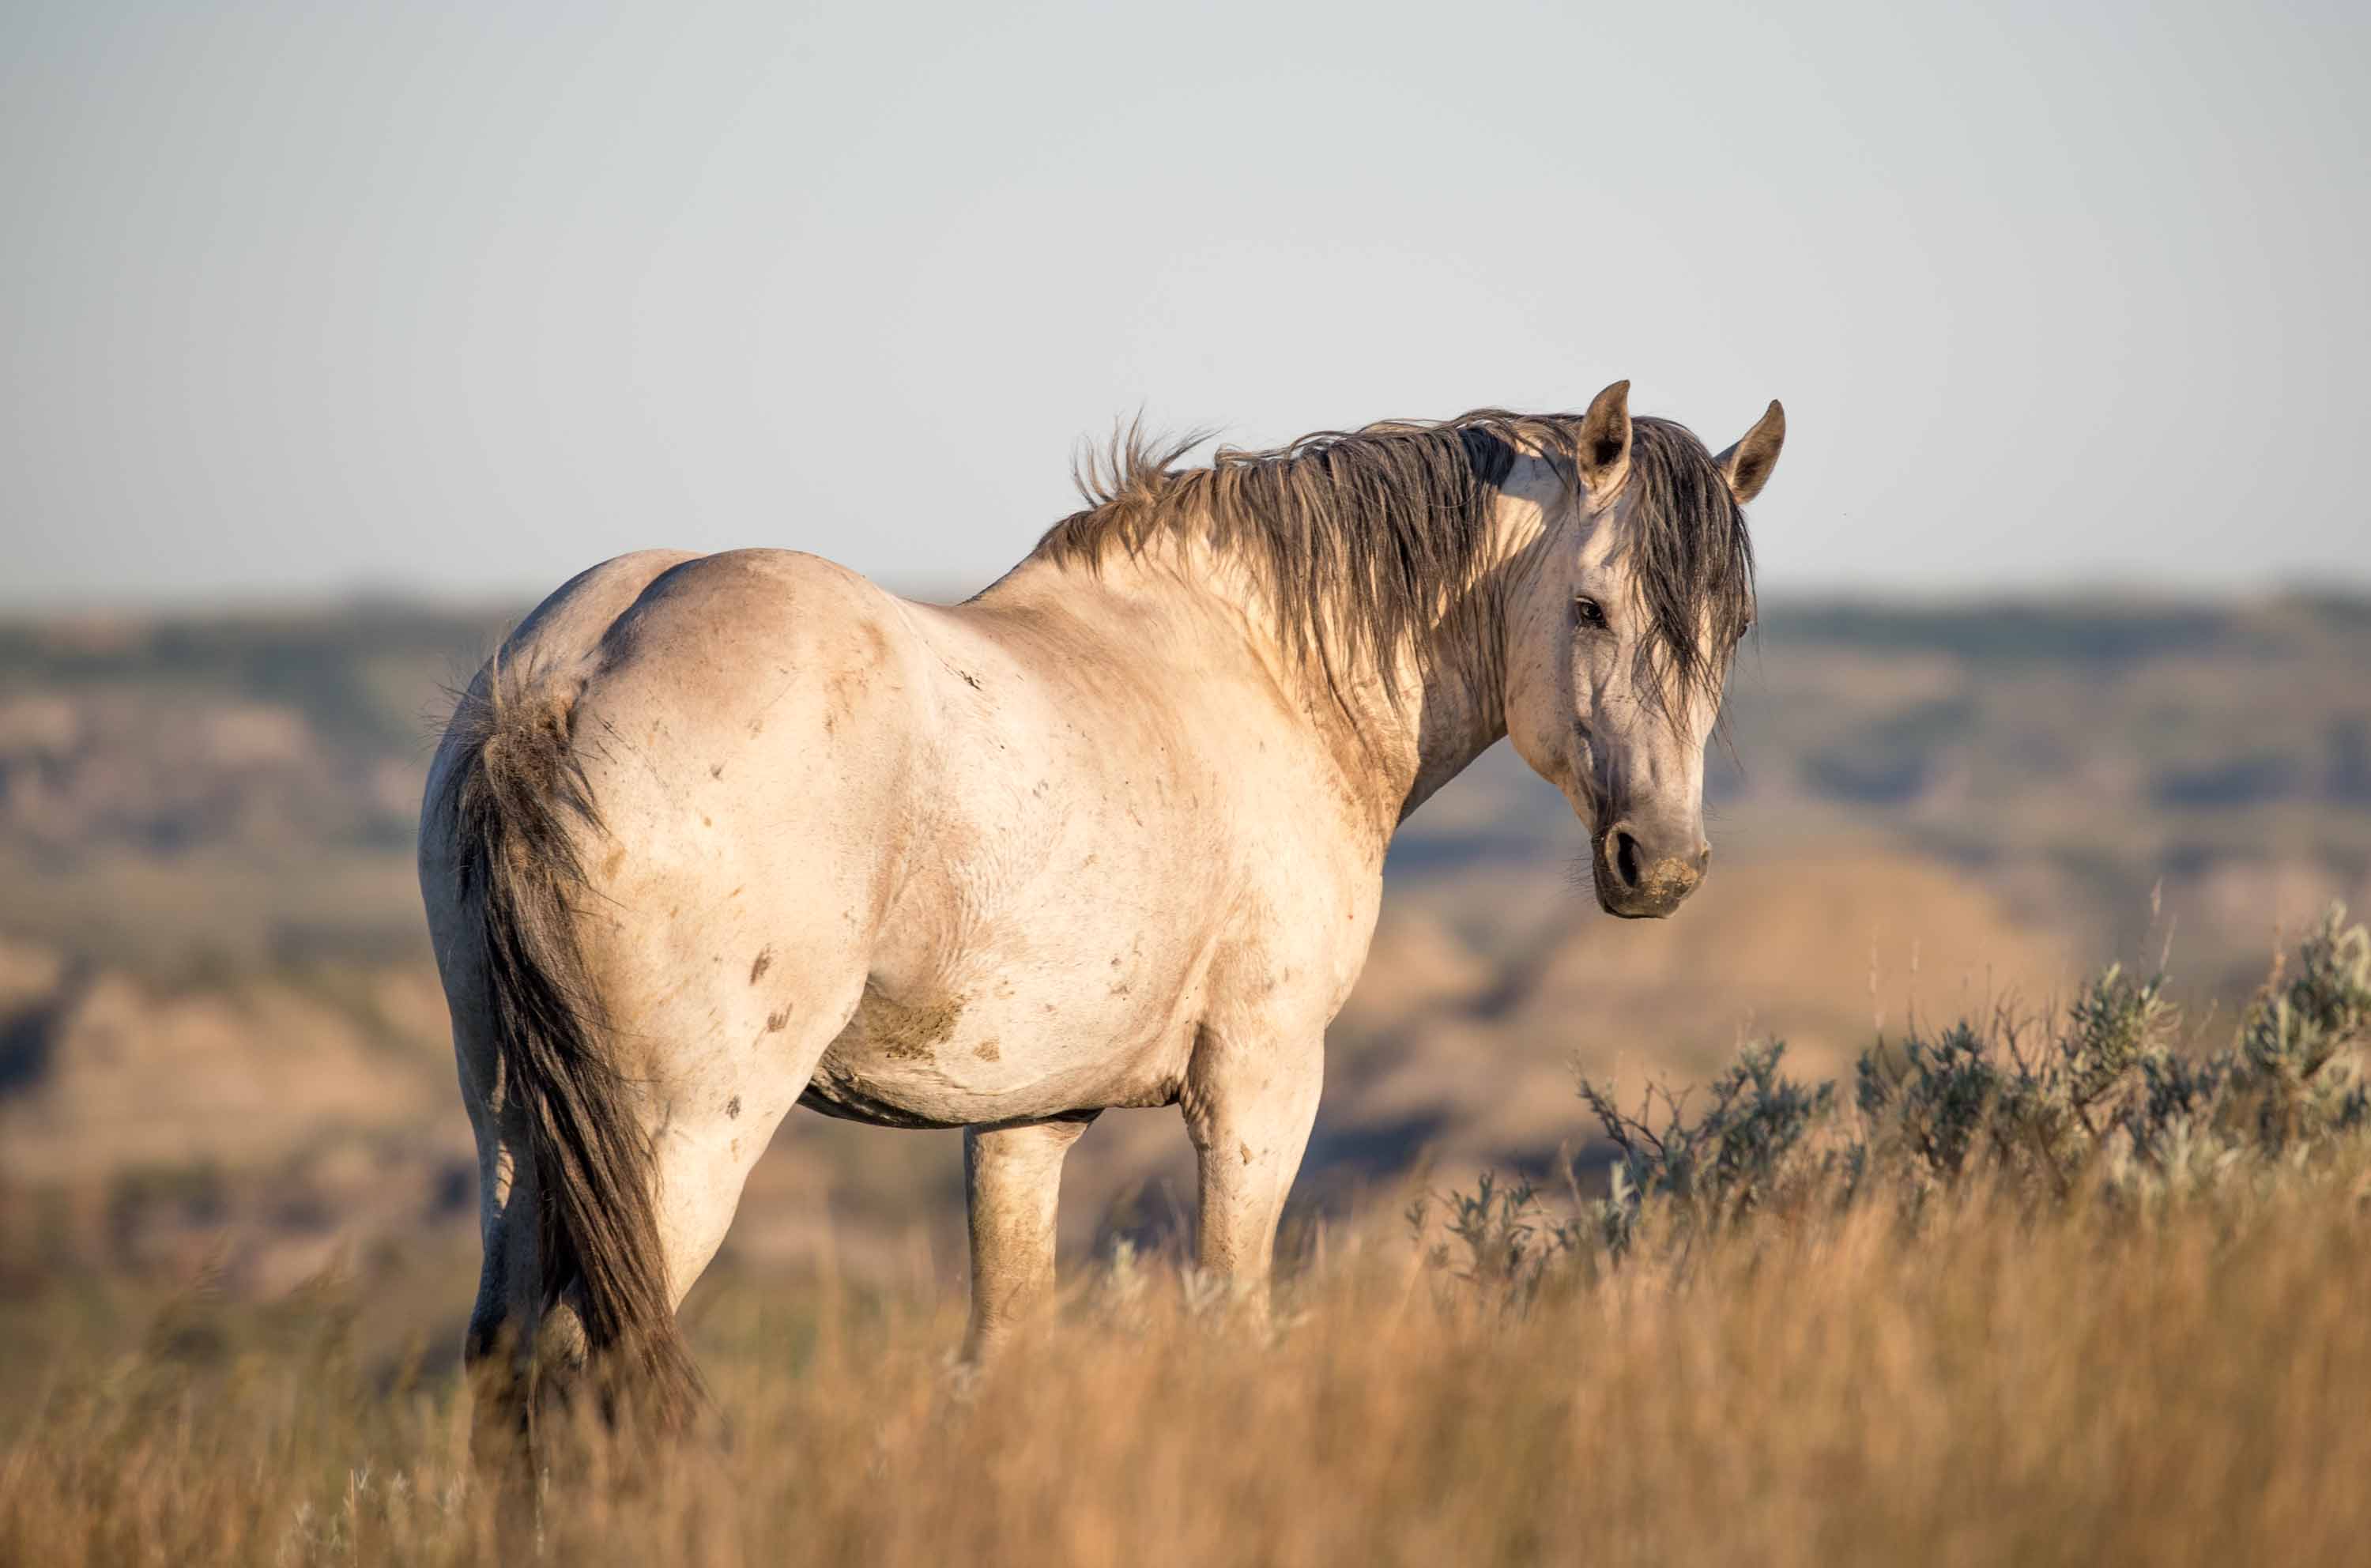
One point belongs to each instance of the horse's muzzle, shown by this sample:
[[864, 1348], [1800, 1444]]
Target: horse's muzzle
[[1641, 880]]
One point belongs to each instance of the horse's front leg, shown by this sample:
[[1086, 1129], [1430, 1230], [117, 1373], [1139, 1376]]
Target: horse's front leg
[[1013, 1178], [1249, 1107]]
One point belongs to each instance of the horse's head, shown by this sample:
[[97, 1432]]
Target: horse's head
[[1621, 626]]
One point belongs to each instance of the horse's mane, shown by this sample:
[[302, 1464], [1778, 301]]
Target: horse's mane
[[1359, 539]]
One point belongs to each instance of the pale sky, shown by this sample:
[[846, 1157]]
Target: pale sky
[[306, 298]]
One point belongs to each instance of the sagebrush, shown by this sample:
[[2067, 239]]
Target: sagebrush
[[2102, 1105]]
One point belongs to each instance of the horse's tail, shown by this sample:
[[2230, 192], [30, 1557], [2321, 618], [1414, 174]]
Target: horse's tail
[[516, 799]]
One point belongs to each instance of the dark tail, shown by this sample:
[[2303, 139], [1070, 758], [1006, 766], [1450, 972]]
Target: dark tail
[[515, 796]]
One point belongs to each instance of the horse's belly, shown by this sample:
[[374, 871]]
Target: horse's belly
[[963, 1057]]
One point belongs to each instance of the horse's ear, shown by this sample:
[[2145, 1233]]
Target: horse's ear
[[1747, 465], [1605, 441]]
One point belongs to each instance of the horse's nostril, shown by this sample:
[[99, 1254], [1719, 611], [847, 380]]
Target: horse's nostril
[[1626, 860]]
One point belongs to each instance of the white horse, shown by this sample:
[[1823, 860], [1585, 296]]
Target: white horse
[[711, 837]]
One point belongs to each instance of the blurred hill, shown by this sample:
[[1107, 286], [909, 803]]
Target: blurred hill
[[220, 1033]]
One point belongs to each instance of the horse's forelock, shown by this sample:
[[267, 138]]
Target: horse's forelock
[[1692, 563]]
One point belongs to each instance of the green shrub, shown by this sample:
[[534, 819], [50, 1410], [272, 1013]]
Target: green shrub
[[2098, 1105]]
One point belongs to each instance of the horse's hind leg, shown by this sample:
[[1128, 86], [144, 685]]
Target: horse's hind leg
[[502, 1320], [518, 1348], [706, 1127], [1012, 1180]]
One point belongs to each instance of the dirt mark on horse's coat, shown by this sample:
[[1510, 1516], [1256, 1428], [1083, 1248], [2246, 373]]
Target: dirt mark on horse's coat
[[907, 1034]]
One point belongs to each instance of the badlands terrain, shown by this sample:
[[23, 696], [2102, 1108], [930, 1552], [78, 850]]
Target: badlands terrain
[[223, 1048]]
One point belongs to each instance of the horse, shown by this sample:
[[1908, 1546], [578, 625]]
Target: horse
[[709, 836]]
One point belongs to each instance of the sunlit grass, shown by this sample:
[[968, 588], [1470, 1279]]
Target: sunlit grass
[[2024, 1308], [1988, 1389]]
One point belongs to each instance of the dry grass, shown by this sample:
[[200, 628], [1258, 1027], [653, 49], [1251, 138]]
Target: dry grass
[[2186, 1386], [2052, 1290]]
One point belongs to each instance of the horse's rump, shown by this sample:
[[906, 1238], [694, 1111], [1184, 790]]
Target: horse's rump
[[517, 802]]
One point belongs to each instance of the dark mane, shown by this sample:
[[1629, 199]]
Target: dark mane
[[1362, 538]]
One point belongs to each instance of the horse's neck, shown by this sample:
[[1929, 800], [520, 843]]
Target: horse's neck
[[1453, 707], [1396, 740]]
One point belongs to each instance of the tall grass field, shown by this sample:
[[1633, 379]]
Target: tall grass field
[[2084, 1288]]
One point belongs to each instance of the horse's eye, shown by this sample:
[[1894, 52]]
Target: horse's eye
[[1587, 611]]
